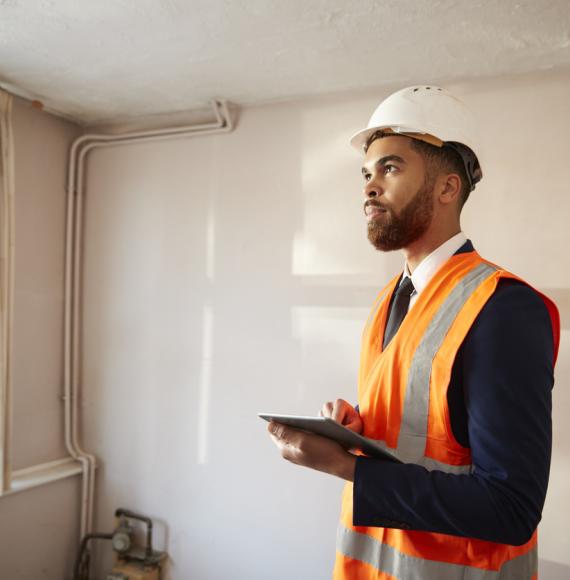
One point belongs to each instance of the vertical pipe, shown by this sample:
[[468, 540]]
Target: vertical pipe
[[7, 242]]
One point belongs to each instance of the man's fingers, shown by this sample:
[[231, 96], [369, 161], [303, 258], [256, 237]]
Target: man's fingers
[[337, 412], [283, 434], [290, 441], [340, 411], [276, 429], [354, 425]]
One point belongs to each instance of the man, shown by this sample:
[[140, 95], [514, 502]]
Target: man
[[455, 375]]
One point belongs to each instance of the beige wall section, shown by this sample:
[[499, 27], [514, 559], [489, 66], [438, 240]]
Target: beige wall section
[[39, 527], [41, 144], [227, 275], [38, 532]]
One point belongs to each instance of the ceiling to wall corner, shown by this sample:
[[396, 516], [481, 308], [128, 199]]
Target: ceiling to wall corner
[[110, 60]]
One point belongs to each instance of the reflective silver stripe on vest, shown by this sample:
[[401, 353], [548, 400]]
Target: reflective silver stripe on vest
[[413, 429], [386, 559], [427, 462]]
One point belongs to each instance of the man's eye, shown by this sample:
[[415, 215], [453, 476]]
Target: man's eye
[[388, 168], [366, 176]]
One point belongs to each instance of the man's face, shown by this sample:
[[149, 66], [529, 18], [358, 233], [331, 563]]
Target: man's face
[[399, 203]]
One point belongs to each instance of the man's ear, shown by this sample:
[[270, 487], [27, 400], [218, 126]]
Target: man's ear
[[450, 188]]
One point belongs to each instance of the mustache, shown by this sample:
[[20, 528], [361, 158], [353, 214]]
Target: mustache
[[374, 203]]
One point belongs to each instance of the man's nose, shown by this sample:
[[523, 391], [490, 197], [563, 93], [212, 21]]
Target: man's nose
[[372, 190]]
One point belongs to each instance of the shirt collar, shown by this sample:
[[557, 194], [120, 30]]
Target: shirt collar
[[431, 264]]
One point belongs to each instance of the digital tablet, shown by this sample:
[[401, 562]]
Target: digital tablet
[[328, 428]]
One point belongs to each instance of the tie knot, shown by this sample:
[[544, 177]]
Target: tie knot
[[406, 287]]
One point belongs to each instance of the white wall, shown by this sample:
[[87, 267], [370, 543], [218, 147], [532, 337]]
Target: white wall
[[39, 528], [227, 275]]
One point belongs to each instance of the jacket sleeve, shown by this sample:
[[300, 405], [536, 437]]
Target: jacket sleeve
[[506, 371]]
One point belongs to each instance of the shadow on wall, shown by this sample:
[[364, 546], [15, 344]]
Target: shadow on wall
[[553, 570]]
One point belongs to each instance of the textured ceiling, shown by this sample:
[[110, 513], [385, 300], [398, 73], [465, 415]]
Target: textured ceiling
[[110, 60]]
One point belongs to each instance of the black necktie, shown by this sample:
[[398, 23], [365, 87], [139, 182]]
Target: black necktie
[[398, 309]]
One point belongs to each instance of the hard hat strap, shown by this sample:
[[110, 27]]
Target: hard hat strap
[[470, 162]]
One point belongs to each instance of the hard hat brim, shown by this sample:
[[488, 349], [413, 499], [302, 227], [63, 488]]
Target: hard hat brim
[[359, 139]]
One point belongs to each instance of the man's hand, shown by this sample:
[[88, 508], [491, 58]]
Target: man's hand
[[343, 413], [313, 451]]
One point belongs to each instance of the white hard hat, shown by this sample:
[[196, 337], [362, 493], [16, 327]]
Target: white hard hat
[[431, 114]]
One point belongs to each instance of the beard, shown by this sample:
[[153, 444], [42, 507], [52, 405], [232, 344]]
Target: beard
[[396, 231]]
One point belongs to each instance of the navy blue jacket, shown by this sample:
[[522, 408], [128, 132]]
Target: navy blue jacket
[[500, 406]]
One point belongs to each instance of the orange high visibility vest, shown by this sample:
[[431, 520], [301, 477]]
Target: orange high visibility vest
[[402, 394]]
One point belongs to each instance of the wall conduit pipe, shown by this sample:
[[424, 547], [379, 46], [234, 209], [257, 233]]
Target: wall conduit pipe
[[73, 264]]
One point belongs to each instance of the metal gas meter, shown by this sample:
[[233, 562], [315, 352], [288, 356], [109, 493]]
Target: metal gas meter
[[132, 562]]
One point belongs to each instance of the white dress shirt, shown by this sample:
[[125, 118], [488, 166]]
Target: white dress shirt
[[431, 264]]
